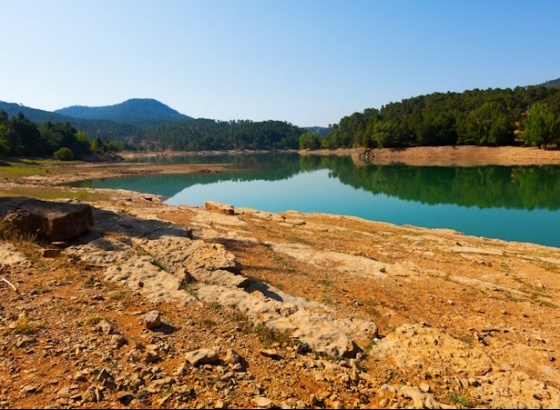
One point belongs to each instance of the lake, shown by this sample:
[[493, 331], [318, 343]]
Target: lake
[[512, 203]]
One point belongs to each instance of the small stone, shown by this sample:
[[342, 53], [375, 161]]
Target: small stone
[[262, 402], [152, 319], [384, 402]]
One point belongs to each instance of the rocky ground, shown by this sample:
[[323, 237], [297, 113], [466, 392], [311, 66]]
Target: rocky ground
[[219, 307]]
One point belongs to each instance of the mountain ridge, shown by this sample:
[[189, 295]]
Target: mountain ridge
[[131, 110]]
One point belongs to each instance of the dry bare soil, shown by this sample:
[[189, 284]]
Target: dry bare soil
[[457, 321]]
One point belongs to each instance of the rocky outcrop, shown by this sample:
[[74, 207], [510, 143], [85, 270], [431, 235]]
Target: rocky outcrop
[[48, 220], [161, 261]]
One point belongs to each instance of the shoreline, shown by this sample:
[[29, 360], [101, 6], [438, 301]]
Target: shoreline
[[466, 155], [462, 156]]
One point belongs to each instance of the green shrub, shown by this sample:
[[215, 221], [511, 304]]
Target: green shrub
[[64, 154]]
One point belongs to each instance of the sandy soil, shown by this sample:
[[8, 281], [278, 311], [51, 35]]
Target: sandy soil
[[453, 156]]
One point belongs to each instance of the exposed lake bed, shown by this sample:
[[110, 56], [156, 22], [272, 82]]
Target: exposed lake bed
[[460, 319]]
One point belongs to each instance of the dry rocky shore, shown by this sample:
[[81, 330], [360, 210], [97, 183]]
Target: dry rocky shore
[[159, 306]]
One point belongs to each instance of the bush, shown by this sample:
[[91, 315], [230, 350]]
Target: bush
[[64, 154]]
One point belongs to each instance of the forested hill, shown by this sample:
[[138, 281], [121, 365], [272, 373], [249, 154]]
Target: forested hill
[[552, 83], [521, 116], [528, 115], [148, 124], [130, 111], [35, 115]]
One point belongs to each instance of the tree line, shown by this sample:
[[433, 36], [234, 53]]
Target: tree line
[[527, 116], [20, 137], [494, 117], [206, 134]]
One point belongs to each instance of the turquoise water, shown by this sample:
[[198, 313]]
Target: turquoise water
[[511, 203]]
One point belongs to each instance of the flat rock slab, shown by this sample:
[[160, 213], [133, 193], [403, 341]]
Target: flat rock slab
[[50, 220]]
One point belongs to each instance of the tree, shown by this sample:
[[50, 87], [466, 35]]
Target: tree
[[501, 131], [541, 126], [114, 146], [83, 141], [4, 142], [24, 137], [97, 146], [309, 140], [64, 154]]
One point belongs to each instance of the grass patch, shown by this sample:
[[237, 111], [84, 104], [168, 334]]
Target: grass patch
[[269, 337], [208, 323], [23, 167], [23, 325], [370, 345], [159, 264], [53, 193], [10, 233], [116, 296], [66, 306], [93, 319], [243, 322], [467, 339], [190, 287], [88, 282], [461, 400]]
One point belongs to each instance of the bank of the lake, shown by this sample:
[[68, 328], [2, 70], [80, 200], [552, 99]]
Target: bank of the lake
[[517, 203]]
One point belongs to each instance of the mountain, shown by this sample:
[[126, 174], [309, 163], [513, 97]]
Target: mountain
[[131, 111]]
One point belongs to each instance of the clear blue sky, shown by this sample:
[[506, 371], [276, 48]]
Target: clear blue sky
[[307, 62]]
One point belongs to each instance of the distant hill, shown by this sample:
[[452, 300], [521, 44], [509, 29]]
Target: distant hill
[[552, 83], [131, 111], [94, 128], [318, 130], [32, 114]]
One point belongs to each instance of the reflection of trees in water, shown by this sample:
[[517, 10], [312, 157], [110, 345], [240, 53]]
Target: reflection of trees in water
[[526, 187]]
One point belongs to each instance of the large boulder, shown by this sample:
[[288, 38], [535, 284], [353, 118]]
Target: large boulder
[[49, 220]]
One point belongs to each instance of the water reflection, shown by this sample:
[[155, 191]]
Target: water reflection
[[524, 187], [513, 203]]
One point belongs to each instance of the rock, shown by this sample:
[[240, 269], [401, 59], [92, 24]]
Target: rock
[[105, 327], [262, 402], [50, 220], [219, 207], [152, 319], [202, 356], [232, 357]]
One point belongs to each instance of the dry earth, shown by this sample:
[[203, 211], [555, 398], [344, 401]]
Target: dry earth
[[435, 318]]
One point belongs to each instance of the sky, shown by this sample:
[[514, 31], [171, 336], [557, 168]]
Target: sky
[[306, 62]]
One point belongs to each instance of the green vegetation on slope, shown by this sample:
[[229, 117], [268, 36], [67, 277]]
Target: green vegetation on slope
[[494, 117]]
